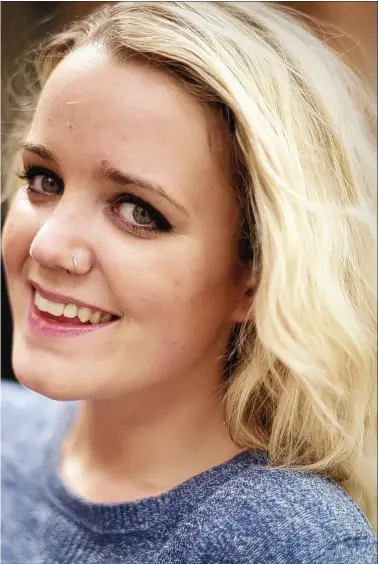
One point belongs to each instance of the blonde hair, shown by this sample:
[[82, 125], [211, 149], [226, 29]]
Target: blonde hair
[[300, 373]]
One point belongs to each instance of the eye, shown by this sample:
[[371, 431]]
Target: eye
[[138, 216], [42, 181], [130, 211], [45, 183]]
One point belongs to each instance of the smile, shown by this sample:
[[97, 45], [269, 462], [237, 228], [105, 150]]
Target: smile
[[55, 319], [69, 311]]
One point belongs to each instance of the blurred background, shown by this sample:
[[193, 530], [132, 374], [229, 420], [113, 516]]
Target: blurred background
[[24, 24]]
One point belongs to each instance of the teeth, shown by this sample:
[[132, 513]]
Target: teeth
[[70, 310], [84, 314], [40, 302], [95, 318], [54, 308], [106, 317]]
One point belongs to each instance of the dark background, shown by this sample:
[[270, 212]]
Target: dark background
[[23, 24]]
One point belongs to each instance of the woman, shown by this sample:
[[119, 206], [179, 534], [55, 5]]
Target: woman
[[190, 268]]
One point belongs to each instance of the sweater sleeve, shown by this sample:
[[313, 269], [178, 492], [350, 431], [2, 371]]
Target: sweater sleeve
[[359, 550]]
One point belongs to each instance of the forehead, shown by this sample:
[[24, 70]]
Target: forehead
[[96, 93], [133, 115]]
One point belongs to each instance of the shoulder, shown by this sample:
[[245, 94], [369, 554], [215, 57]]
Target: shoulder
[[294, 499], [273, 516]]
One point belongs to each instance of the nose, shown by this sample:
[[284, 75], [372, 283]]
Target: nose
[[62, 242]]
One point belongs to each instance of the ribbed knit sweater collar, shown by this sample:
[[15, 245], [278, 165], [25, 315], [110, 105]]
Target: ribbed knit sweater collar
[[161, 512]]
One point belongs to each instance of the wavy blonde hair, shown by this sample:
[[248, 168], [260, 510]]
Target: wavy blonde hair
[[300, 372]]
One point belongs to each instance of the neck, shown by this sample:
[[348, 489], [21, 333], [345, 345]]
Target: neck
[[148, 442]]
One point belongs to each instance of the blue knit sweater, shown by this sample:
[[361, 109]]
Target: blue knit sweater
[[231, 514]]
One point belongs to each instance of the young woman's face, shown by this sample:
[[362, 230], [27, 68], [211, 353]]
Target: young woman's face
[[101, 131]]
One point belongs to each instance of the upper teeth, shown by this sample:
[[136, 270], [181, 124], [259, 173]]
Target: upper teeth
[[70, 310]]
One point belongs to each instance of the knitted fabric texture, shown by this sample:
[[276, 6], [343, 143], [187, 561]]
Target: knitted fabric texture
[[230, 514]]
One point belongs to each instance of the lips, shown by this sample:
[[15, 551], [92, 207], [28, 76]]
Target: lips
[[65, 312], [60, 298], [50, 327]]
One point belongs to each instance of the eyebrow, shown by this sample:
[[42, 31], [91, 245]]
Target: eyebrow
[[106, 172], [40, 151]]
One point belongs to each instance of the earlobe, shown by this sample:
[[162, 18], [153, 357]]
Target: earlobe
[[243, 310]]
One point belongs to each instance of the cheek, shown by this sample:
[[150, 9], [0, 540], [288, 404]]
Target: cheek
[[175, 289], [20, 227]]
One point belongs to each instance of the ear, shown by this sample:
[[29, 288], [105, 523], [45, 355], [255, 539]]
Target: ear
[[243, 309]]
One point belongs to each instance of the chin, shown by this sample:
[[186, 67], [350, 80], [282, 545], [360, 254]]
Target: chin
[[54, 382]]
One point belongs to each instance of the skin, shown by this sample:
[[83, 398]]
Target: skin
[[151, 414]]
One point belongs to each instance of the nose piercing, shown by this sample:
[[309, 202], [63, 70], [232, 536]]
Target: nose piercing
[[74, 260]]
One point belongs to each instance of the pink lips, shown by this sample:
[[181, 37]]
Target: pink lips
[[54, 329]]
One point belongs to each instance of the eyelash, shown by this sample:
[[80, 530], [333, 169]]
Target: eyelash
[[162, 225]]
